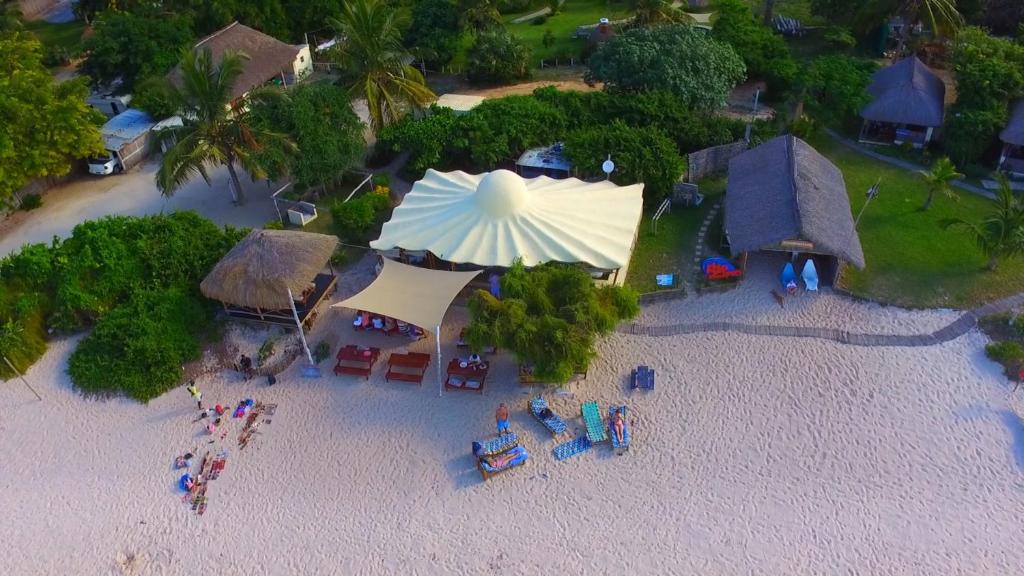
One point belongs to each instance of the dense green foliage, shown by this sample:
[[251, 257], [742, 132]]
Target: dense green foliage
[[138, 348], [1009, 354], [133, 45], [640, 154], [434, 141], [434, 31], [677, 58], [497, 57], [500, 129], [550, 317], [104, 265], [355, 218], [763, 51], [1000, 233], [45, 123], [327, 134], [835, 88]]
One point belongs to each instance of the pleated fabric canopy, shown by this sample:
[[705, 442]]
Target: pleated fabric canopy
[[494, 218]]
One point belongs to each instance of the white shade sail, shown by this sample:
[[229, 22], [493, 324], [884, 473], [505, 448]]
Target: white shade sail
[[493, 218], [418, 296]]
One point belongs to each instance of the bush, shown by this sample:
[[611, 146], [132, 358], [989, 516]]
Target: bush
[[274, 224], [31, 202], [970, 132], [435, 31], [549, 316], [432, 141], [512, 6], [139, 348], [501, 129], [321, 352], [497, 57], [1009, 354], [835, 88], [764, 52], [151, 96], [540, 21], [354, 219], [265, 352]]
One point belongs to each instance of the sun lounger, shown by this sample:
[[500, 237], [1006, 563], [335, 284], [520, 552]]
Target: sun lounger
[[788, 278], [495, 446], [571, 448], [643, 377], [596, 431], [487, 470], [810, 276], [553, 422], [624, 445]]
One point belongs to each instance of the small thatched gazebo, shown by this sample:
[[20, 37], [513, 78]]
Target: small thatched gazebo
[[907, 104], [274, 276], [784, 196], [1012, 158]]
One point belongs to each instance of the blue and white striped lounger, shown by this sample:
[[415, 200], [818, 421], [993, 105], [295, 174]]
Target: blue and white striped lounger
[[624, 445], [571, 448], [553, 423], [498, 445]]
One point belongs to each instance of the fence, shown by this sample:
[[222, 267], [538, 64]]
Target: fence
[[706, 162]]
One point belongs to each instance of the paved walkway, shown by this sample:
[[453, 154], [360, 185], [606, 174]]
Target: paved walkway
[[902, 163], [953, 330]]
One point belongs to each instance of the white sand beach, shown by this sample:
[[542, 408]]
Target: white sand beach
[[754, 455]]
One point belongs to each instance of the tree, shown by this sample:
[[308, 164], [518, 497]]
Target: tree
[[940, 14], [214, 130], [479, 15], [376, 62], [763, 51], [549, 316], [835, 88], [500, 129], [88, 9], [46, 124], [938, 178], [133, 45], [328, 135], [640, 154], [497, 57], [674, 57], [652, 12], [434, 30], [10, 16], [999, 235]]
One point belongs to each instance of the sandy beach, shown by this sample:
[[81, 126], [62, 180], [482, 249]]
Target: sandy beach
[[754, 455]]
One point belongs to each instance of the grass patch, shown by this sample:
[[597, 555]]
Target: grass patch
[[911, 260], [671, 250], [563, 25], [67, 35]]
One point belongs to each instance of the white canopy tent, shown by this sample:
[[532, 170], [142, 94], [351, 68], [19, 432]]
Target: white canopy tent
[[419, 296], [494, 218]]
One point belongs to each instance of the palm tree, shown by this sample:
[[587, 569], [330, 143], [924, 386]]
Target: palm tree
[[214, 129], [651, 12], [378, 66], [940, 14], [938, 178], [1000, 234], [481, 15]]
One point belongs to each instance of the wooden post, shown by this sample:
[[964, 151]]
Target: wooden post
[[302, 333], [27, 385]]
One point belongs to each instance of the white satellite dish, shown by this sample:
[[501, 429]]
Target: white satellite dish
[[608, 166]]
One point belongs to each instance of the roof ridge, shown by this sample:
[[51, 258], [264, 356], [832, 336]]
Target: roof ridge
[[215, 34], [791, 166]]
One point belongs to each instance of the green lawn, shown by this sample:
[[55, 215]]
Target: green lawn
[[563, 25], [67, 35], [911, 260], [671, 250]]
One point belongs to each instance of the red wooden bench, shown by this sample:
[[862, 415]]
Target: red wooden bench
[[356, 361], [413, 366]]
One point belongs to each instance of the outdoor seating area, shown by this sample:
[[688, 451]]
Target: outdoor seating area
[[466, 375], [408, 367], [907, 105], [356, 360]]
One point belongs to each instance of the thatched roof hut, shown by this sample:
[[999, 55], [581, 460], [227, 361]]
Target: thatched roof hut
[[1014, 131], [907, 92], [785, 191], [258, 272]]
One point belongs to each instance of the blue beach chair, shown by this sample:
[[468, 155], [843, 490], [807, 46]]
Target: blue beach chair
[[624, 445], [553, 422], [571, 448], [596, 431], [494, 446]]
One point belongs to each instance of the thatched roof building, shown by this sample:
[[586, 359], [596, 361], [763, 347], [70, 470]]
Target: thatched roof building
[[784, 191], [907, 92], [258, 272], [1014, 132]]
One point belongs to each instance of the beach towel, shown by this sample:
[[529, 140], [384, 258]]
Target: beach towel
[[624, 445], [595, 425], [810, 276], [550, 420], [571, 448]]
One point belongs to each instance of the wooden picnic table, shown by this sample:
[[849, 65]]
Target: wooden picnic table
[[470, 377], [355, 360], [413, 365]]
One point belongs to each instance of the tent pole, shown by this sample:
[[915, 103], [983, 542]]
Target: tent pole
[[302, 334], [437, 337]]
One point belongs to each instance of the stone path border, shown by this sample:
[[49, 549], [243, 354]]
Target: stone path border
[[698, 252], [955, 329]]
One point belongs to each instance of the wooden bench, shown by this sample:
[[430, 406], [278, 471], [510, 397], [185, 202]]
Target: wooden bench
[[414, 365], [356, 361], [476, 374]]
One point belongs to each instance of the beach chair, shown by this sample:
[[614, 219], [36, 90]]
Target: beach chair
[[553, 423], [810, 276], [487, 470], [571, 448], [596, 431], [624, 445], [788, 278], [496, 446], [643, 377]]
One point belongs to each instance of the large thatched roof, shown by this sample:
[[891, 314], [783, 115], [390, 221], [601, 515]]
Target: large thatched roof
[[907, 92], [266, 57], [786, 190], [261, 268], [1014, 131]]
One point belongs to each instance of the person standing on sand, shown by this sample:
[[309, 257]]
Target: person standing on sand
[[501, 415], [196, 394]]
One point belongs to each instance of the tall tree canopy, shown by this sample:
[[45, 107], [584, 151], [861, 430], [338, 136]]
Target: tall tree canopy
[[46, 124], [677, 58], [434, 30], [763, 51], [497, 57], [134, 45], [376, 65]]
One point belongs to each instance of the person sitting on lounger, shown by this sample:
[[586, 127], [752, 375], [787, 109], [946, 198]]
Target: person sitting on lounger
[[619, 426]]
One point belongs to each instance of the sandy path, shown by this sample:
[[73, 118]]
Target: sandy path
[[754, 456]]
